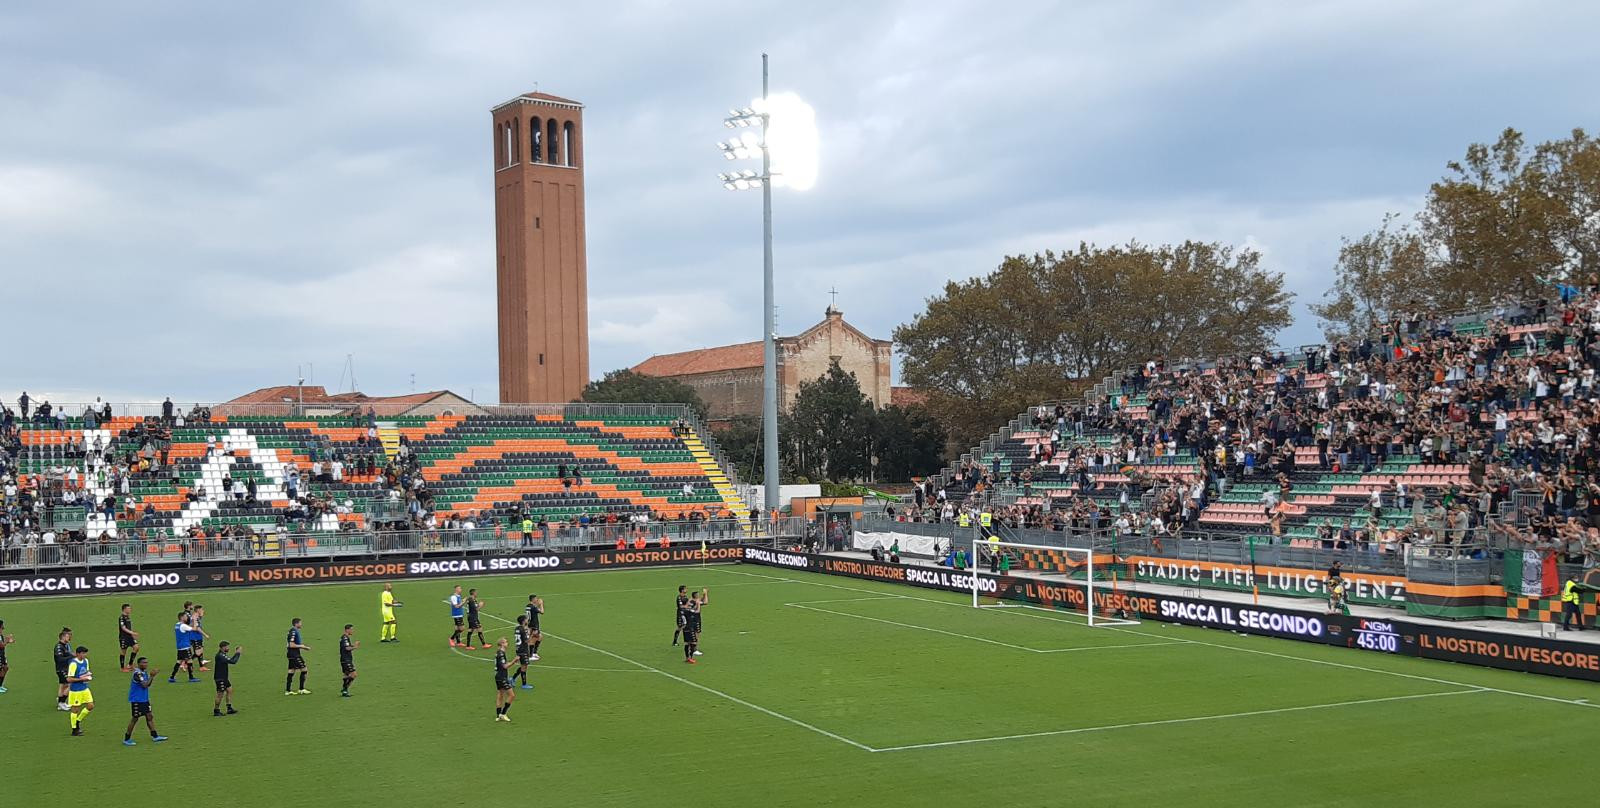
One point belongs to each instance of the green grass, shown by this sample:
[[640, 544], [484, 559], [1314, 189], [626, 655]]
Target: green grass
[[864, 694]]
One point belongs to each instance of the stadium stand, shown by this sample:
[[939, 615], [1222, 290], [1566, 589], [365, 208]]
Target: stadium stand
[[1449, 430], [99, 477]]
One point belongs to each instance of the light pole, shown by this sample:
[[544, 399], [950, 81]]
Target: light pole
[[794, 137]]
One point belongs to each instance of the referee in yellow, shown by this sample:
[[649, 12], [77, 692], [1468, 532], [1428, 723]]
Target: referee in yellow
[[391, 630]]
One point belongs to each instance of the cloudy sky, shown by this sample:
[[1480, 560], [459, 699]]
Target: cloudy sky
[[196, 199]]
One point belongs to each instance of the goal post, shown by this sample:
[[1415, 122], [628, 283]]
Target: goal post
[[1056, 569]]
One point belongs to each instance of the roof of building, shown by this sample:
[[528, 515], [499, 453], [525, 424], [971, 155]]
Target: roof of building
[[316, 394], [538, 96], [734, 357], [703, 360], [907, 396]]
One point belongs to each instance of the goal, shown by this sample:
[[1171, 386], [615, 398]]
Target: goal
[[1075, 579]]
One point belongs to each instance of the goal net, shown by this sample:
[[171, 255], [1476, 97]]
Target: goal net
[[1084, 580]]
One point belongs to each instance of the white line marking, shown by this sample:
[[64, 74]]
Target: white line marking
[[1110, 647], [1193, 719], [804, 605], [1435, 680], [458, 652], [841, 600], [713, 691]]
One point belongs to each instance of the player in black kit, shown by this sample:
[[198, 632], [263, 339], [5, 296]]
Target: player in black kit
[[127, 639], [683, 602], [347, 657], [297, 662], [5, 640], [521, 638], [534, 609], [691, 625], [63, 656], [224, 684], [503, 695], [474, 622]]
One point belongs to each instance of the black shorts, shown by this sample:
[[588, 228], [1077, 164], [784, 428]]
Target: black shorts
[[458, 621], [223, 684], [502, 684], [185, 654], [61, 676], [681, 622], [197, 644], [347, 667], [525, 652], [297, 663], [474, 624], [126, 642], [140, 708]]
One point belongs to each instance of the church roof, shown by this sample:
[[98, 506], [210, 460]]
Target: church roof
[[735, 357], [703, 360]]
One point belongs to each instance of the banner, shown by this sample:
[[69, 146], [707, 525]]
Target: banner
[[1531, 574], [910, 544], [1360, 587], [399, 567]]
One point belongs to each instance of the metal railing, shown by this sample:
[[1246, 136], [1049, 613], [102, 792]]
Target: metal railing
[[356, 410], [33, 555], [1469, 562]]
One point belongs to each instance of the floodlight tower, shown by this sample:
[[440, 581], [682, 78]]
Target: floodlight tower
[[787, 126]]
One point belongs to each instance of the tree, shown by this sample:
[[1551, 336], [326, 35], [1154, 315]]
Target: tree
[[1044, 327], [1504, 221], [1377, 276], [740, 439], [827, 433], [626, 387], [908, 442]]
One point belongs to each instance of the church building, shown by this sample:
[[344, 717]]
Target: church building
[[728, 378]]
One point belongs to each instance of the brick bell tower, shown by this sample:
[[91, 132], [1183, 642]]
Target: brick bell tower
[[541, 263]]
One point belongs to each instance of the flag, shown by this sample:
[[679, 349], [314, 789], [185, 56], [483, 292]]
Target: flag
[[1531, 574]]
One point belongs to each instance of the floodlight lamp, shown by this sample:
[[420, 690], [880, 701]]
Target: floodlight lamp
[[730, 155], [729, 124], [749, 140], [792, 141], [730, 186]]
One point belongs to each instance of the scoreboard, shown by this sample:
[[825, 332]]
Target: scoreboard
[[1375, 635]]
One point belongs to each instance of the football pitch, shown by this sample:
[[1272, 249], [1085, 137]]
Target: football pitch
[[813, 690]]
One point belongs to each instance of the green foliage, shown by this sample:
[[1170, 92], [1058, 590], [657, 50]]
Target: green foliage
[[909, 442], [832, 433], [828, 430], [740, 439], [1505, 220], [1043, 327], [626, 387]]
